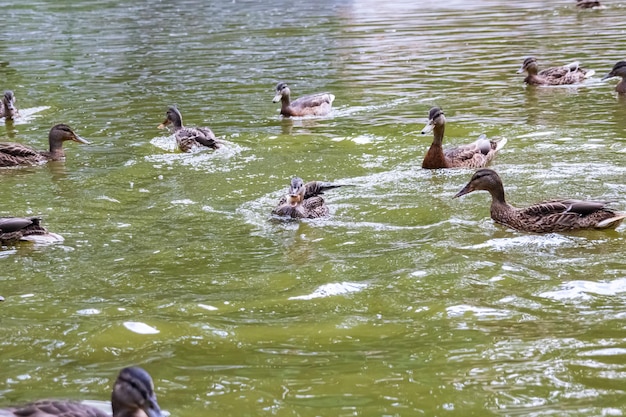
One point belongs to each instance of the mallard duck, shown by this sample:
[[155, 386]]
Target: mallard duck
[[564, 75], [304, 201], [133, 396], [546, 217], [619, 70], [474, 155], [188, 138], [587, 4], [14, 229], [319, 104], [15, 154], [8, 109]]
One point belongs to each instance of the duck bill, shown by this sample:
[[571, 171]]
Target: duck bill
[[293, 199], [428, 128], [520, 70], [153, 409], [466, 190], [78, 139], [607, 76], [164, 124], [277, 98]]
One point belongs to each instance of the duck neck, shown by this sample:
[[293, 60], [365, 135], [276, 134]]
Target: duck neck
[[621, 86], [435, 158], [501, 211], [56, 151]]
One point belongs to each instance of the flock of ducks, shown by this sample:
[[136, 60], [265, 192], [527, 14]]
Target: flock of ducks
[[133, 391], [305, 201]]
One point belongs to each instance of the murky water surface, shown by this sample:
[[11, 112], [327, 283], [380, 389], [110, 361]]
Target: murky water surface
[[404, 302]]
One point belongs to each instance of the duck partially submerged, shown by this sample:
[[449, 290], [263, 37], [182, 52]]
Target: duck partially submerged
[[545, 217], [15, 229], [474, 155], [188, 138], [619, 70], [133, 396], [319, 104], [563, 75], [8, 108], [304, 201], [16, 154], [587, 4]]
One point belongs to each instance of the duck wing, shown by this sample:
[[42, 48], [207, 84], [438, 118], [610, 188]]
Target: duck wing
[[315, 188], [189, 138], [314, 207], [12, 154], [474, 155], [570, 214], [314, 100], [52, 408]]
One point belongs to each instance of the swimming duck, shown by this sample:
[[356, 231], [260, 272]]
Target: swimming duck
[[15, 229], [474, 155], [188, 138], [587, 4], [15, 154], [564, 75], [619, 70], [319, 104], [546, 217], [133, 396], [304, 201], [8, 109]]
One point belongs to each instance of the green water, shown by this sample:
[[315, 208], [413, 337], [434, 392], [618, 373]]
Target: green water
[[404, 302]]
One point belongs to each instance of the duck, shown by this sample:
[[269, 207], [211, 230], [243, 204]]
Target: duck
[[587, 4], [303, 200], [319, 104], [474, 155], [16, 154], [15, 229], [188, 138], [133, 396], [550, 216], [563, 75], [8, 109], [619, 70]]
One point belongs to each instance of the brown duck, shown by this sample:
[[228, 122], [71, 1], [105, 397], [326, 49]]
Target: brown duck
[[564, 75], [319, 104], [15, 229], [474, 155], [189, 138], [587, 4], [8, 108], [16, 154], [133, 396], [619, 70], [546, 217], [304, 201]]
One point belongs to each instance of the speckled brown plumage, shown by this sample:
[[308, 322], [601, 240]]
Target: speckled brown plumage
[[563, 75], [545, 217], [14, 229], [189, 138], [304, 201], [474, 155], [15, 154], [133, 396], [319, 104], [587, 4], [619, 70]]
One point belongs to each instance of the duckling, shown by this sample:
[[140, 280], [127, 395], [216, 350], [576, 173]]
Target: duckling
[[619, 70], [304, 201], [587, 4], [319, 104], [474, 155], [188, 138], [8, 109], [133, 396], [15, 154], [545, 217], [564, 75], [15, 229]]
